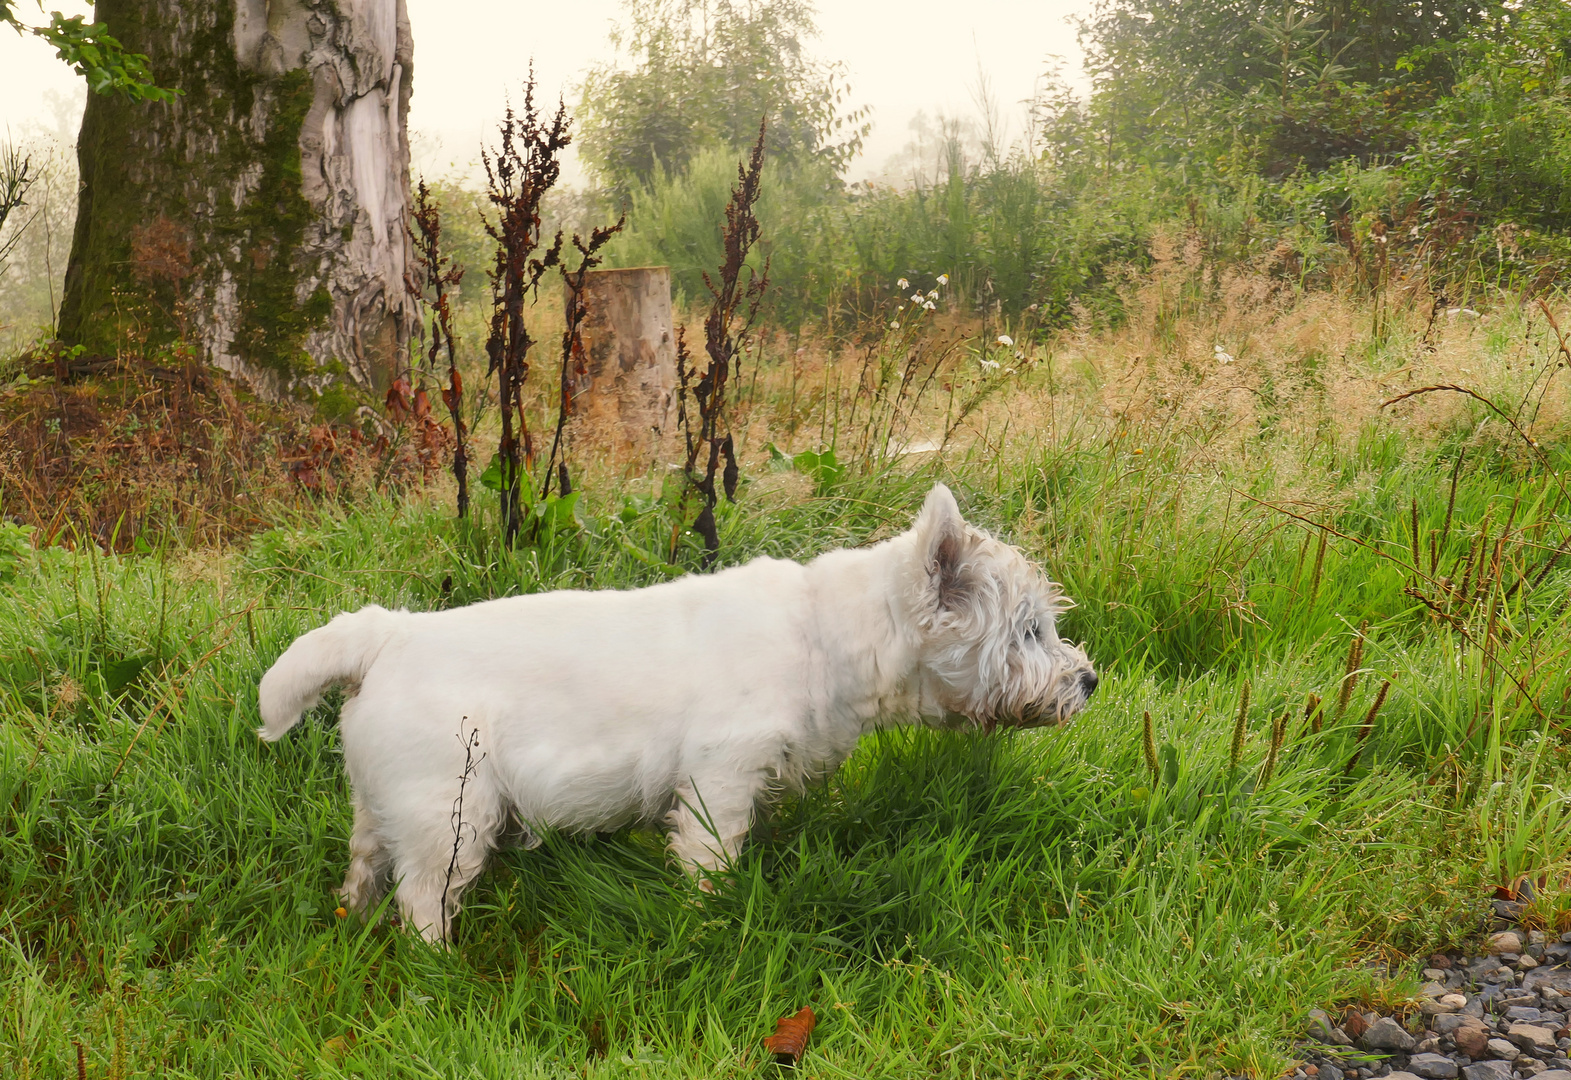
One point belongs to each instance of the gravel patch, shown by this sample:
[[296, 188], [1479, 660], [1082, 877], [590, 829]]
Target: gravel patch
[[1498, 1016]]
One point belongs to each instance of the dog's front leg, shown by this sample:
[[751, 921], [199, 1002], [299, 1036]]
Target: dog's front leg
[[708, 824]]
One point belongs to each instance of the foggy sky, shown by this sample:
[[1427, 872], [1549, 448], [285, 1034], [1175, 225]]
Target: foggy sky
[[915, 55]]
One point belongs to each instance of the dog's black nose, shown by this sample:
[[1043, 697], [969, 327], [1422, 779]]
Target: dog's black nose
[[1088, 683]]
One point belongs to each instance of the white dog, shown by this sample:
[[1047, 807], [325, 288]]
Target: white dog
[[685, 703]]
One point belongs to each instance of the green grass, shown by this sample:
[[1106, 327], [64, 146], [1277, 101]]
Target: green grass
[[1033, 904]]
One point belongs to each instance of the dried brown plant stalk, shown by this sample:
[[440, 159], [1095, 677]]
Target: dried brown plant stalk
[[518, 174], [573, 366], [733, 310], [1511, 421], [438, 273]]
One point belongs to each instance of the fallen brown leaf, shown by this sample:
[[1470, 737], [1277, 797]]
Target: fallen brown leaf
[[789, 1042], [338, 1047]]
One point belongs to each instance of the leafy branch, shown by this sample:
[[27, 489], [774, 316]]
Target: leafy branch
[[93, 53]]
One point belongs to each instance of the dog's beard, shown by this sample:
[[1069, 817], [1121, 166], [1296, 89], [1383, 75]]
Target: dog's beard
[[1067, 694], [1053, 712], [1048, 694]]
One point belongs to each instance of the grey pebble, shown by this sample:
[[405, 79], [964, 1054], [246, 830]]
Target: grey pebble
[[1434, 1066], [1502, 1049], [1488, 1070], [1386, 1034], [1531, 1037]]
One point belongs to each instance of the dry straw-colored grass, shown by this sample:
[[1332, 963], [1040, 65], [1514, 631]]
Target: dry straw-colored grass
[[1226, 364], [1230, 364]]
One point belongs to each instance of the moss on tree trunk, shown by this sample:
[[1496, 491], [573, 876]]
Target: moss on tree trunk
[[259, 216]]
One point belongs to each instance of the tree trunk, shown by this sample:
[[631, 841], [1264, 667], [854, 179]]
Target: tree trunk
[[259, 217], [628, 397]]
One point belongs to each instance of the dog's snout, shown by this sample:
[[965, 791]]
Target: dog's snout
[[1088, 682]]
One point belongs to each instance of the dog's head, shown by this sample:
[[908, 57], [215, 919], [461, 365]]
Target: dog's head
[[987, 620]]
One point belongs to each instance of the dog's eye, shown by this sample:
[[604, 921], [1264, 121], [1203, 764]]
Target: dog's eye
[[1033, 631]]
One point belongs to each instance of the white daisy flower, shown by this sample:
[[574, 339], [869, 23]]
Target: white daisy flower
[[894, 324], [1005, 340], [988, 365], [930, 306], [903, 284], [943, 279], [1221, 355]]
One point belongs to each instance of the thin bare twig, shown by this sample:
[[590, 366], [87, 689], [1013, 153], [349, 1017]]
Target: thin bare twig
[[471, 743], [1453, 388], [438, 273], [573, 341]]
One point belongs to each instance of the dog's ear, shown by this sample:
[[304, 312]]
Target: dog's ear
[[943, 542]]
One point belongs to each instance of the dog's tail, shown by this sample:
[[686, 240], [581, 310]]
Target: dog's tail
[[340, 652]]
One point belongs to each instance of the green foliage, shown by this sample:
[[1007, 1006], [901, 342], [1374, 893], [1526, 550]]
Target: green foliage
[[705, 73], [825, 469], [951, 904], [1170, 74], [93, 53], [1323, 128], [16, 550], [1500, 138]]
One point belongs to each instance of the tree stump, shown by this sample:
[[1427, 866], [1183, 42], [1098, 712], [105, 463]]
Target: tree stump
[[627, 397]]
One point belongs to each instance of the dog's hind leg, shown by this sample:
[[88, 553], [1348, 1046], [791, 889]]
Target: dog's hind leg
[[708, 824], [434, 861], [369, 860]]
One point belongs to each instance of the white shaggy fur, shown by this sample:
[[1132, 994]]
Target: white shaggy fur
[[685, 703]]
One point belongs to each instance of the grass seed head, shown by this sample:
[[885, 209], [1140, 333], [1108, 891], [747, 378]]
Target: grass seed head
[[1240, 726], [1355, 661], [1148, 746]]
